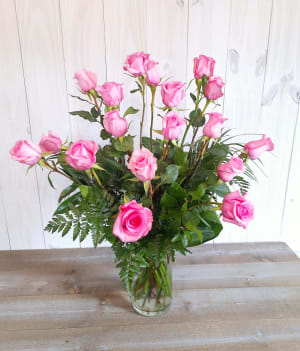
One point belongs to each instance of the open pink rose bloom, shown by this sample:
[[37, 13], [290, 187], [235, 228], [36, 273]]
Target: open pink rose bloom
[[133, 222]]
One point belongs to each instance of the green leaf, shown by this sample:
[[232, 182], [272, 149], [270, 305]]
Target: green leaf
[[170, 174], [130, 111], [202, 121], [126, 199], [193, 97], [79, 98], [76, 231], [94, 112], [158, 131], [146, 186], [134, 91], [190, 220], [222, 189], [211, 218], [126, 145], [67, 228], [65, 204], [50, 181], [204, 81], [195, 117], [84, 189], [195, 238], [177, 192], [168, 201], [104, 134], [180, 158], [198, 192], [67, 191], [85, 115]]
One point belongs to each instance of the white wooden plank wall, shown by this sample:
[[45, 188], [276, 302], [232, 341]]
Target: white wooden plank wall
[[256, 44]]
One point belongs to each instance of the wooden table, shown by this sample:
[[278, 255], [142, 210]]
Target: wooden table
[[236, 297]]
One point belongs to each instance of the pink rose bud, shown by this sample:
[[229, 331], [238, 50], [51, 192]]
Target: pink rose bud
[[136, 64], [133, 222], [203, 66], [51, 143], [86, 80], [152, 76], [171, 125], [213, 127], [172, 93], [111, 92], [237, 210], [114, 124], [143, 164], [25, 151], [257, 147], [82, 154], [213, 89], [228, 170]]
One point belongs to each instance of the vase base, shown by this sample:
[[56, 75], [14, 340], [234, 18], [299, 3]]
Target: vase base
[[149, 313]]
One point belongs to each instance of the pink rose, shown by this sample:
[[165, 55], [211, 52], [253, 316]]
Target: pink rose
[[214, 125], [111, 92], [133, 222], [237, 210], [171, 125], [143, 164], [86, 80], [114, 124], [172, 93], [25, 151], [82, 154], [213, 89], [136, 64], [51, 143], [152, 76], [228, 170], [257, 147], [203, 65]]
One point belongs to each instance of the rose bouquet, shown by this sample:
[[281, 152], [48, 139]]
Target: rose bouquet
[[165, 196]]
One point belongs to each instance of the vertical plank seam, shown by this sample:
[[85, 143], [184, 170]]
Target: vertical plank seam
[[289, 173], [65, 71], [226, 66], [29, 121], [187, 39], [5, 218], [267, 55], [104, 38], [225, 78], [64, 59]]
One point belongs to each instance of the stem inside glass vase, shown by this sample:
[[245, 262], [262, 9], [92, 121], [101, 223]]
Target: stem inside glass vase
[[151, 290]]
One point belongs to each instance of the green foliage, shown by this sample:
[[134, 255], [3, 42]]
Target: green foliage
[[185, 195], [242, 183], [170, 174], [85, 115], [125, 145], [130, 111], [87, 212]]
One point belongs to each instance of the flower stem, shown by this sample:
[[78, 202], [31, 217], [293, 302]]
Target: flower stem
[[201, 116], [143, 114], [97, 106], [153, 90], [97, 179], [192, 119], [54, 169], [200, 157]]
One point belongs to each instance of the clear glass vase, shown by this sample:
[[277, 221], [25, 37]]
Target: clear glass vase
[[151, 290]]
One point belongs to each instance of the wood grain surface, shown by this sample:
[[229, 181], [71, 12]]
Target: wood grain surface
[[226, 297]]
